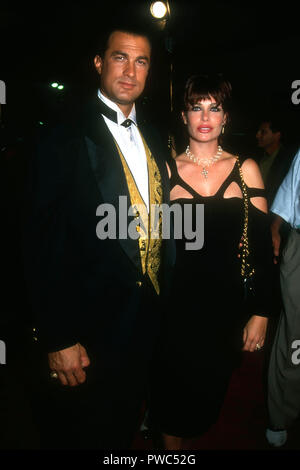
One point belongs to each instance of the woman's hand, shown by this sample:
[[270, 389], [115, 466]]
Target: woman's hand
[[255, 333]]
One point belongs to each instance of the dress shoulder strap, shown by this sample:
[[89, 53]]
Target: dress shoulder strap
[[174, 178]]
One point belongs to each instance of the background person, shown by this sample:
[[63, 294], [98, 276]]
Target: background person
[[277, 156], [284, 371], [274, 162]]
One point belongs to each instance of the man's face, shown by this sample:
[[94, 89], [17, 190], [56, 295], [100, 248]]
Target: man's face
[[265, 136], [124, 68]]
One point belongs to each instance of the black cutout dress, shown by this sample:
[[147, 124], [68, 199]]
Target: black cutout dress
[[205, 313]]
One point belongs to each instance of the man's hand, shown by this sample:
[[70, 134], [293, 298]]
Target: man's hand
[[255, 333], [276, 238], [69, 364]]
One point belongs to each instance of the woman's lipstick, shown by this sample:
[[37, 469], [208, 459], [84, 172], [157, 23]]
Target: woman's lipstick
[[204, 129]]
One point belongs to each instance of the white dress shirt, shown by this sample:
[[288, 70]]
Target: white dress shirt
[[287, 199], [131, 145]]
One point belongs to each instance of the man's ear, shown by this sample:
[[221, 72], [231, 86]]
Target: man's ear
[[98, 64]]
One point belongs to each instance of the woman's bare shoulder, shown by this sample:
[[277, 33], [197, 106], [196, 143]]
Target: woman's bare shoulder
[[251, 173]]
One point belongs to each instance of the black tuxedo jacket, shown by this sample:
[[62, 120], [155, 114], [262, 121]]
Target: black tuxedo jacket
[[278, 171], [83, 288]]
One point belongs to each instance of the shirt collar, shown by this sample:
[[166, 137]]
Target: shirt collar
[[120, 116], [272, 155], [275, 153]]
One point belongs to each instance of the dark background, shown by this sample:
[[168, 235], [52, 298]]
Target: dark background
[[255, 44]]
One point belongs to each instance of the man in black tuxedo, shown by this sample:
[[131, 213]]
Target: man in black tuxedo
[[95, 291], [276, 159]]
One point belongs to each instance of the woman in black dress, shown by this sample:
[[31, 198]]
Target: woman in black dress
[[207, 321]]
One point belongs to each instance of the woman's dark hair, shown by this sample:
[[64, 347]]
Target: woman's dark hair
[[202, 87]]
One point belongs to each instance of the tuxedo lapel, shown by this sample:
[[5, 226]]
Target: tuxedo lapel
[[110, 178]]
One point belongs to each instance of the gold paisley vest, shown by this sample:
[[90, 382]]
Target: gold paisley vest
[[150, 224]]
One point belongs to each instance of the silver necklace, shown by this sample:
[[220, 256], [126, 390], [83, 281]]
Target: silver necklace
[[204, 162]]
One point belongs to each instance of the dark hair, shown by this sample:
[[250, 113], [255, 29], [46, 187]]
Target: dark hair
[[201, 87], [101, 43], [275, 122]]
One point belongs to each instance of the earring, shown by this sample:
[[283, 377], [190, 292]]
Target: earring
[[223, 129]]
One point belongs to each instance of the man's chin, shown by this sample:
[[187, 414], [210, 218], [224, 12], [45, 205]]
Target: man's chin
[[125, 101]]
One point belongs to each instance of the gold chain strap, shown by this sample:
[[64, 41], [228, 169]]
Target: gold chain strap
[[246, 270]]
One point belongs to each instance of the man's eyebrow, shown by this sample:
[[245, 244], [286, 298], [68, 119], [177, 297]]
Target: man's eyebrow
[[119, 53], [143, 57]]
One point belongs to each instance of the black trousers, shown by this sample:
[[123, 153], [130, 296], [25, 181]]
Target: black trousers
[[105, 411], [103, 414]]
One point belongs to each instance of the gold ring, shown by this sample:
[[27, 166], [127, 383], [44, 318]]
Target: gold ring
[[257, 347], [53, 374]]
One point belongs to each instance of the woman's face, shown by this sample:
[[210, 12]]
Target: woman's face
[[204, 120]]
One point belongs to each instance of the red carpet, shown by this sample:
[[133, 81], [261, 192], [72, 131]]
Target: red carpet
[[243, 419]]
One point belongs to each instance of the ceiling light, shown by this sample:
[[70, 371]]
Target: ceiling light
[[158, 9]]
